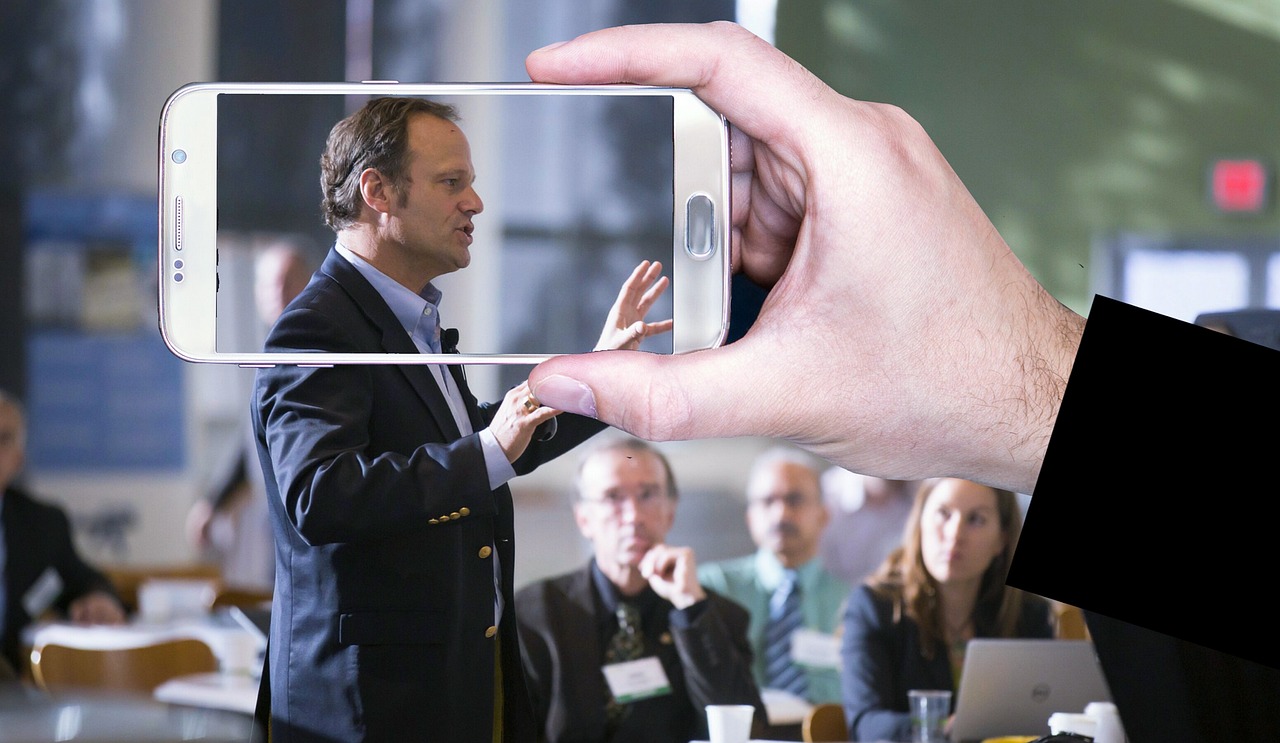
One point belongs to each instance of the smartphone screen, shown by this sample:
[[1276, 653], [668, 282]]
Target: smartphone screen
[[577, 189]]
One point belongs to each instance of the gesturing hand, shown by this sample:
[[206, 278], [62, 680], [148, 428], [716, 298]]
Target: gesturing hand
[[625, 326]]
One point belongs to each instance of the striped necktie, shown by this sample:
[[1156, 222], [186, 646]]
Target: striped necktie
[[784, 619]]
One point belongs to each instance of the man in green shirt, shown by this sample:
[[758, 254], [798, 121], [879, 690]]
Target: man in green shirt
[[794, 602]]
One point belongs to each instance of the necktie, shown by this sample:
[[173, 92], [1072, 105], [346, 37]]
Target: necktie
[[626, 644], [784, 619]]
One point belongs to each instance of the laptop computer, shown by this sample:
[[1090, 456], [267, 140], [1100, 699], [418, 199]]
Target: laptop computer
[[1011, 686]]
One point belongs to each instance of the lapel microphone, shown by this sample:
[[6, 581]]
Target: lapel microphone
[[449, 340]]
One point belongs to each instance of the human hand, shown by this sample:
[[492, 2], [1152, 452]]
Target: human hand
[[96, 607], [199, 518], [901, 336], [625, 326], [517, 417], [672, 572]]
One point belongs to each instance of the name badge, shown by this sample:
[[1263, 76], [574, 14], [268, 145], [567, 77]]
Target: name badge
[[42, 593], [815, 649], [637, 679]]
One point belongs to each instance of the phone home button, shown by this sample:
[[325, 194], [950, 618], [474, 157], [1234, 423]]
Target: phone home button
[[700, 226]]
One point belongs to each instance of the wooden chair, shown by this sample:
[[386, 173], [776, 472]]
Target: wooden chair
[[824, 722], [245, 598], [1069, 623], [62, 668]]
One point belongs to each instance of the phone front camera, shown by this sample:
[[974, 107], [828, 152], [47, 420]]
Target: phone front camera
[[179, 156]]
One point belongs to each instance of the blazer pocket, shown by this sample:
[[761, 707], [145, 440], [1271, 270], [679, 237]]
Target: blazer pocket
[[391, 628]]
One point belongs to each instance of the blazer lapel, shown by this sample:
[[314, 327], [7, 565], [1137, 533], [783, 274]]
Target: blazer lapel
[[394, 338]]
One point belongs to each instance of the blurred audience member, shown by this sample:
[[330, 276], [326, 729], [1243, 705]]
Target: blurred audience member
[[868, 515], [1255, 324], [631, 647], [40, 570], [794, 601], [231, 521], [907, 626]]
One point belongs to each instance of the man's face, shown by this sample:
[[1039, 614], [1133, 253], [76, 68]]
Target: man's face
[[12, 444], [785, 512], [432, 213], [624, 507]]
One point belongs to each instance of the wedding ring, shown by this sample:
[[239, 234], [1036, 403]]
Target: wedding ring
[[530, 404]]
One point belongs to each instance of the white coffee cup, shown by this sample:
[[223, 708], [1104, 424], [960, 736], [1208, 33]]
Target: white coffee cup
[[1109, 728], [729, 723]]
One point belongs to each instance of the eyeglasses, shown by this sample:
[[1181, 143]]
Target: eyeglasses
[[646, 498], [790, 500]]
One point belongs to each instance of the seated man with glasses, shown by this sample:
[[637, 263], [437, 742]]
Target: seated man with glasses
[[631, 647]]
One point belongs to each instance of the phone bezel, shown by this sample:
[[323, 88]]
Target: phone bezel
[[188, 217]]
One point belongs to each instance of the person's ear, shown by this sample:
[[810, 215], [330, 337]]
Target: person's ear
[[580, 518], [376, 191]]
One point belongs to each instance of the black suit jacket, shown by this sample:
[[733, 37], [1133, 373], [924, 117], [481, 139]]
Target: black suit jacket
[[707, 660], [37, 538], [383, 623], [882, 660]]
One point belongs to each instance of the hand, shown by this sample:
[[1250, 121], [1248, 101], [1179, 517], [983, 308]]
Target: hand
[[901, 336], [199, 518], [96, 607], [672, 572], [625, 327], [516, 419]]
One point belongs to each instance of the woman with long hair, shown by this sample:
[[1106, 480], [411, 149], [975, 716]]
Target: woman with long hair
[[906, 627]]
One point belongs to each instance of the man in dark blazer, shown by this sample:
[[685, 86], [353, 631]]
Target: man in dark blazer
[[386, 483], [626, 501], [40, 569]]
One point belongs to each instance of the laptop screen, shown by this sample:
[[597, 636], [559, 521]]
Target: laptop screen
[[1011, 687]]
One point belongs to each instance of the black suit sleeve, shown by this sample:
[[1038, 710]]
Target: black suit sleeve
[[79, 578], [872, 653], [711, 639], [1154, 480]]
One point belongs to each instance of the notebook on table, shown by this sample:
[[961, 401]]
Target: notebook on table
[[1011, 686]]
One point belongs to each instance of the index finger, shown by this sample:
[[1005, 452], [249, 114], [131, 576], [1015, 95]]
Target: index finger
[[759, 91]]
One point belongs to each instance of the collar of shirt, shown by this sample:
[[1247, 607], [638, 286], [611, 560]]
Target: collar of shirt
[[418, 313], [769, 572], [609, 595]]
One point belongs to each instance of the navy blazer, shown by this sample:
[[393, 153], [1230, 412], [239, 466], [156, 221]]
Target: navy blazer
[[37, 538], [383, 620], [881, 660], [704, 652]]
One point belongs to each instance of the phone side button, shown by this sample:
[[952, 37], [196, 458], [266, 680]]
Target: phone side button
[[315, 366], [700, 225]]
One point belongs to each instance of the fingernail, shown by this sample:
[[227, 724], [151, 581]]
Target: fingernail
[[549, 47], [563, 393]]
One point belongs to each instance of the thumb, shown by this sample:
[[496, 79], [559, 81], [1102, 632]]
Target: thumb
[[653, 396]]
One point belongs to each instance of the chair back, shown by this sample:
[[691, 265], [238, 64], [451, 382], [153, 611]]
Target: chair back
[[140, 669], [1069, 623], [824, 722], [245, 598]]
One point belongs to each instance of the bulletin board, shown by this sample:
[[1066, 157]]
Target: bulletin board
[[104, 392]]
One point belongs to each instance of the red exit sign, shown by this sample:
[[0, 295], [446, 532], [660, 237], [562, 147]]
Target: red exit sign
[[1240, 186]]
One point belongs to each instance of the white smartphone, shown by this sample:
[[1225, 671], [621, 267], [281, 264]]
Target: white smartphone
[[579, 183]]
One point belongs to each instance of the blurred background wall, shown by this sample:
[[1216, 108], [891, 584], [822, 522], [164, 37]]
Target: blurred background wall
[[1121, 148]]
